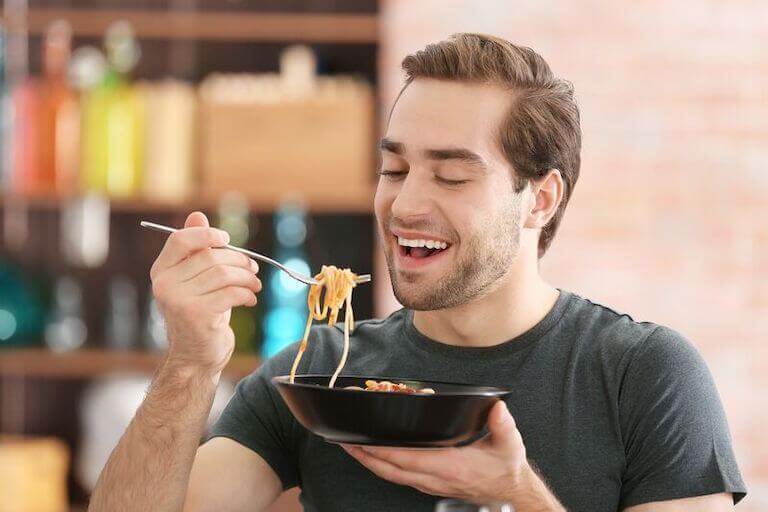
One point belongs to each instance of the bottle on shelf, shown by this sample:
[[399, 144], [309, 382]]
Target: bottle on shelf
[[286, 298], [234, 216], [67, 329], [21, 308], [25, 140], [84, 226], [59, 116], [298, 72], [87, 71], [45, 121], [113, 128], [122, 315], [169, 140]]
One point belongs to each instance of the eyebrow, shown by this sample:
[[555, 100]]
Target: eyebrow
[[459, 154], [397, 148]]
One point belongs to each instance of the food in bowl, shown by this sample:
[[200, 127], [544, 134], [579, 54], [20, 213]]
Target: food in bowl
[[391, 387]]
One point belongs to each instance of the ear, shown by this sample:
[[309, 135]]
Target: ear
[[547, 194]]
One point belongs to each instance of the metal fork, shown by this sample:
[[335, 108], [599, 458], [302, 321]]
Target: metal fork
[[365, 278]]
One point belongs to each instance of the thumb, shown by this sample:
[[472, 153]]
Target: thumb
[[196, 220], [502, 426]]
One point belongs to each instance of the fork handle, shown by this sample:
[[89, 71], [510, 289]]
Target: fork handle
[[254, 255], [167, 229]]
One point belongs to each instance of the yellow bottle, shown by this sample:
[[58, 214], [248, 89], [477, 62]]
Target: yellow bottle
[[113, 122]]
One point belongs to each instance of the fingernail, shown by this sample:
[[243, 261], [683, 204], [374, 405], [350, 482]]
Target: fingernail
[[254, 266], [224, 236]]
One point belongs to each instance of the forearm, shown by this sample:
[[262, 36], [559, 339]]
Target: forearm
[[149, 469], [531, 494]]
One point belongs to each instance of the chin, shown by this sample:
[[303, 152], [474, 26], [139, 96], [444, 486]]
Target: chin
[[412, 296], [410, 301]]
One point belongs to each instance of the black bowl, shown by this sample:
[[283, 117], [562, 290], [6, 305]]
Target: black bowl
[[455, 415]]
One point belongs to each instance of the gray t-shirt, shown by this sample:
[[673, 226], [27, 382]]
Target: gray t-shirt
[[613, 412]]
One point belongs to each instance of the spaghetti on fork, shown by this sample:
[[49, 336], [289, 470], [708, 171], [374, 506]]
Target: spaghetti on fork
[[325, 299]]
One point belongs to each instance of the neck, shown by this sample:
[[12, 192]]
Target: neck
[[520, 300]]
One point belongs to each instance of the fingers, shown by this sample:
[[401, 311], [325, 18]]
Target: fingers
[[388, 471], [222, 276], [185, 242], [501, 424], [196, 219], [224, 299], [192, 277], [438, 463], [207, 258]]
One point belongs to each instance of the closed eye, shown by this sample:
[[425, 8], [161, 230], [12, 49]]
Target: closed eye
[[393, 175], [450, 182]]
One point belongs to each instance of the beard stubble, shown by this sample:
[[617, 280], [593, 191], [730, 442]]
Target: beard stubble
[[486, 258]]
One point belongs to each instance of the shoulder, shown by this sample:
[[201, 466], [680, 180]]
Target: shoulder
[[607, 325], [668, 356], [620, 340]]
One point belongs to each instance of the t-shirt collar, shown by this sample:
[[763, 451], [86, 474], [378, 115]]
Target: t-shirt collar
[[524, 340]]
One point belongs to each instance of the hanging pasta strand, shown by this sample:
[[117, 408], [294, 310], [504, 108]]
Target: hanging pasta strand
[[302, 348], [337, 284], [348, 323]]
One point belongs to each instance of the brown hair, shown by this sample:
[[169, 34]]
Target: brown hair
[[541, 131]]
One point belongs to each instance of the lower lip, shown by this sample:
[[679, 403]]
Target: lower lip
[[406, 262]]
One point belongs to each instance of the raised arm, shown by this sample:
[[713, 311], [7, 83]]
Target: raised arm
[[196, 286]]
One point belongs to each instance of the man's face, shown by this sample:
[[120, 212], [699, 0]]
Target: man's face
[[445, 180]]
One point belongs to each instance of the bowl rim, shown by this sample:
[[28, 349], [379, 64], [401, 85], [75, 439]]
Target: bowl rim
[[490, 391]]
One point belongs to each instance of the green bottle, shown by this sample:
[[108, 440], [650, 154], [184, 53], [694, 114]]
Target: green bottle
[[234, 216]]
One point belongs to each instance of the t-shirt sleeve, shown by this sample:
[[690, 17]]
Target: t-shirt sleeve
[[257, 418], [675, 433]]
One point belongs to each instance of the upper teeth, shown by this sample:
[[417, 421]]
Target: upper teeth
[[429, 244]]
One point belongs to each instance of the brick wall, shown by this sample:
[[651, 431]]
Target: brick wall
[[668, 221]]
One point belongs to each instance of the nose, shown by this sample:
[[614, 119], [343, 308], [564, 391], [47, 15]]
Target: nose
[[412, 199]]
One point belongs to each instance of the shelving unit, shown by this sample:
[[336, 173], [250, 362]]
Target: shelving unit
[[43, 389], [213, 26], [91, 363], [361, 203]]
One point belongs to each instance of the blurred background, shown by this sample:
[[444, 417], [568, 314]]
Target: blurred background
[[265, 114]]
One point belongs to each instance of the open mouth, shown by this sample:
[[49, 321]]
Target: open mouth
[[421, 250]]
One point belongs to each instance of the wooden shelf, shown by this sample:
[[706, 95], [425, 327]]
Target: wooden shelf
[[362, 203], [214, 26], [89, 363]]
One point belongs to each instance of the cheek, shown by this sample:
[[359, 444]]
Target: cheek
[[382, 200], [500, 201], [479, 214], [470, 213]]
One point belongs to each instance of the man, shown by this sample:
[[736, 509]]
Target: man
[[481, 154]]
